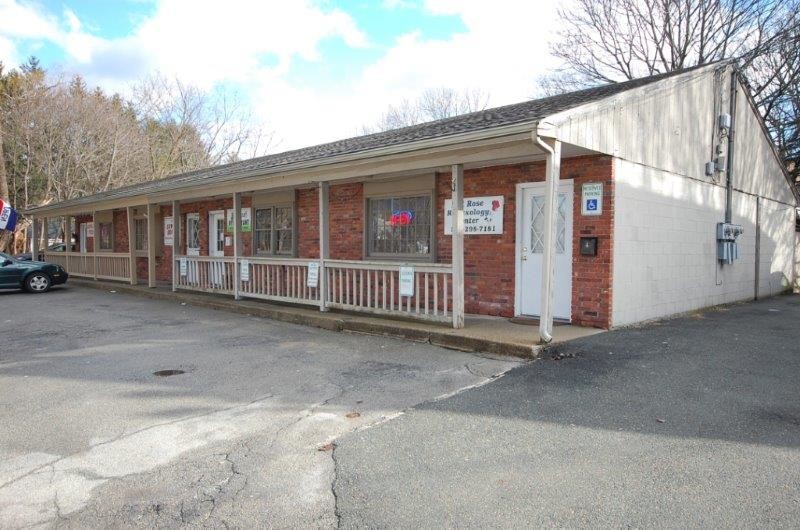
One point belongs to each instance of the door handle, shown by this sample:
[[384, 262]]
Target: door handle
[[524, 253]]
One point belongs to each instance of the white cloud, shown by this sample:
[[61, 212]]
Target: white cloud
[[502, 50]]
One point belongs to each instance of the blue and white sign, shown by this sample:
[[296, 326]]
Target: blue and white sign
[[8, 217], [592, 199]]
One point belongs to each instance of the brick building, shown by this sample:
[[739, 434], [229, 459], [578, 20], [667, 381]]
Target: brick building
[[598, 207]]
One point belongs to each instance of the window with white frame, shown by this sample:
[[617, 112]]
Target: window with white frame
[[140, 234], [400, 226], [273, 231], [106, 240]]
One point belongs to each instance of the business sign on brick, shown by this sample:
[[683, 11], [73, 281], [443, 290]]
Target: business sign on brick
[[482, 215]]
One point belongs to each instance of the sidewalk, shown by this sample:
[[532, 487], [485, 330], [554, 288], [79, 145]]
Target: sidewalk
[[495, 335]]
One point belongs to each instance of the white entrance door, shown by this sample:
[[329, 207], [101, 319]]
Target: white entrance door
[[192, 245], [530, 240], [216, 244]]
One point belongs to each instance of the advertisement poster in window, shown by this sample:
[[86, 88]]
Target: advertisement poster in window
[[169, 231], [482, 215], [247, 223]]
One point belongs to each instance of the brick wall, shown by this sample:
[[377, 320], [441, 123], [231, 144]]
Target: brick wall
[[489, 260], [307, 207], [120, 230], [347, 221]]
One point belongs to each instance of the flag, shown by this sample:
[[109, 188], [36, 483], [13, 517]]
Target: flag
[[8, 216]]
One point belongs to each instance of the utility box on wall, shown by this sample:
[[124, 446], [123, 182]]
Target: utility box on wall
[[727, 248]]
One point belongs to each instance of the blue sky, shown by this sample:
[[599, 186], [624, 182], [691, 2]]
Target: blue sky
[[309, 71]]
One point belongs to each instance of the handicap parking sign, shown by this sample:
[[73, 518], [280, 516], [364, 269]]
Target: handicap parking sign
[[592, 199]]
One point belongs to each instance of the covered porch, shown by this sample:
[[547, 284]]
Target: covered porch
[[203, 238]]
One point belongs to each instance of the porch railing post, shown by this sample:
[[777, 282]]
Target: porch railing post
[[34, 240], [44, 237], [458, 245], [95, 233], [237, 243], [131, 246], [151, 245], [324, 244], [176, 242]]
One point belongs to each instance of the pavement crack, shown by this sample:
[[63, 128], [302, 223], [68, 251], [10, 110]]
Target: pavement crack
[[334, 481]]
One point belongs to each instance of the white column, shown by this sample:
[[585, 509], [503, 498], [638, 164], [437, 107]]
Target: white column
[[34, 240], [95, 233], [237, 243], [151, 245], [44, 237], [176, 242], [324, 243], [457, 259], [131, 246], [552, 173]]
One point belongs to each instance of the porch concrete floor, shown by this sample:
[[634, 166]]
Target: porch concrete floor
[[488, 334]]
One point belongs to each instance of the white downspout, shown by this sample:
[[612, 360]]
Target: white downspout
[[552, 171]]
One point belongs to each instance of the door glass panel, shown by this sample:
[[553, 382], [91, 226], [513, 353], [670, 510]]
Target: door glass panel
[[220, 234], [537, 224], [193, 233]]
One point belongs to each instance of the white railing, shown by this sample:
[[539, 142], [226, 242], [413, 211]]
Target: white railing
[[362, 286], [282, 279], [205, 273], [113, 266], [374, 287], [103, 265]]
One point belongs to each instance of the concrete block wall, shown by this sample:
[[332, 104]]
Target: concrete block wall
[[665, 245]]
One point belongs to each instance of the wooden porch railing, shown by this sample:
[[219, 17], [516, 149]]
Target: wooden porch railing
[[361, 286], [109, 265], [374, 287], [205, 273], [282, 279]]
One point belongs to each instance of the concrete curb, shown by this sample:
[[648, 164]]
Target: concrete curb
[[332, 321]]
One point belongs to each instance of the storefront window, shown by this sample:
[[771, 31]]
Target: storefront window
[[274, 230], [400, 226]]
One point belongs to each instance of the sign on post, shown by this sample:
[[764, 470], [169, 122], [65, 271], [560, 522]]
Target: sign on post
[[482, 215], [406, 281], [592, 199], [169, 231], [244, 270], [312, 278], [184, 266]]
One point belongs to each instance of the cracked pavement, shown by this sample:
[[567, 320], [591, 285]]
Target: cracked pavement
[[91, 438]]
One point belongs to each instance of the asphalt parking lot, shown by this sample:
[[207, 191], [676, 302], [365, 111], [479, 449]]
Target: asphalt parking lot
[[92, 438], [692, 422]]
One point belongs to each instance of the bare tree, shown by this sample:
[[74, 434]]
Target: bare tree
[[432, 104], [613, 40], [188, 128]]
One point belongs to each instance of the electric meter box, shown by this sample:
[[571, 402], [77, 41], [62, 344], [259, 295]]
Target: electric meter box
[[727, 247]]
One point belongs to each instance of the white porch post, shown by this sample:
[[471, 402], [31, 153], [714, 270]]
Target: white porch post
[[95, 233], [324, 244], [131, 246], [237, 243], [176, 242], [151, 245], [44, 237], [67, 235], [552, 173], [34, 240], [458, 245]]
